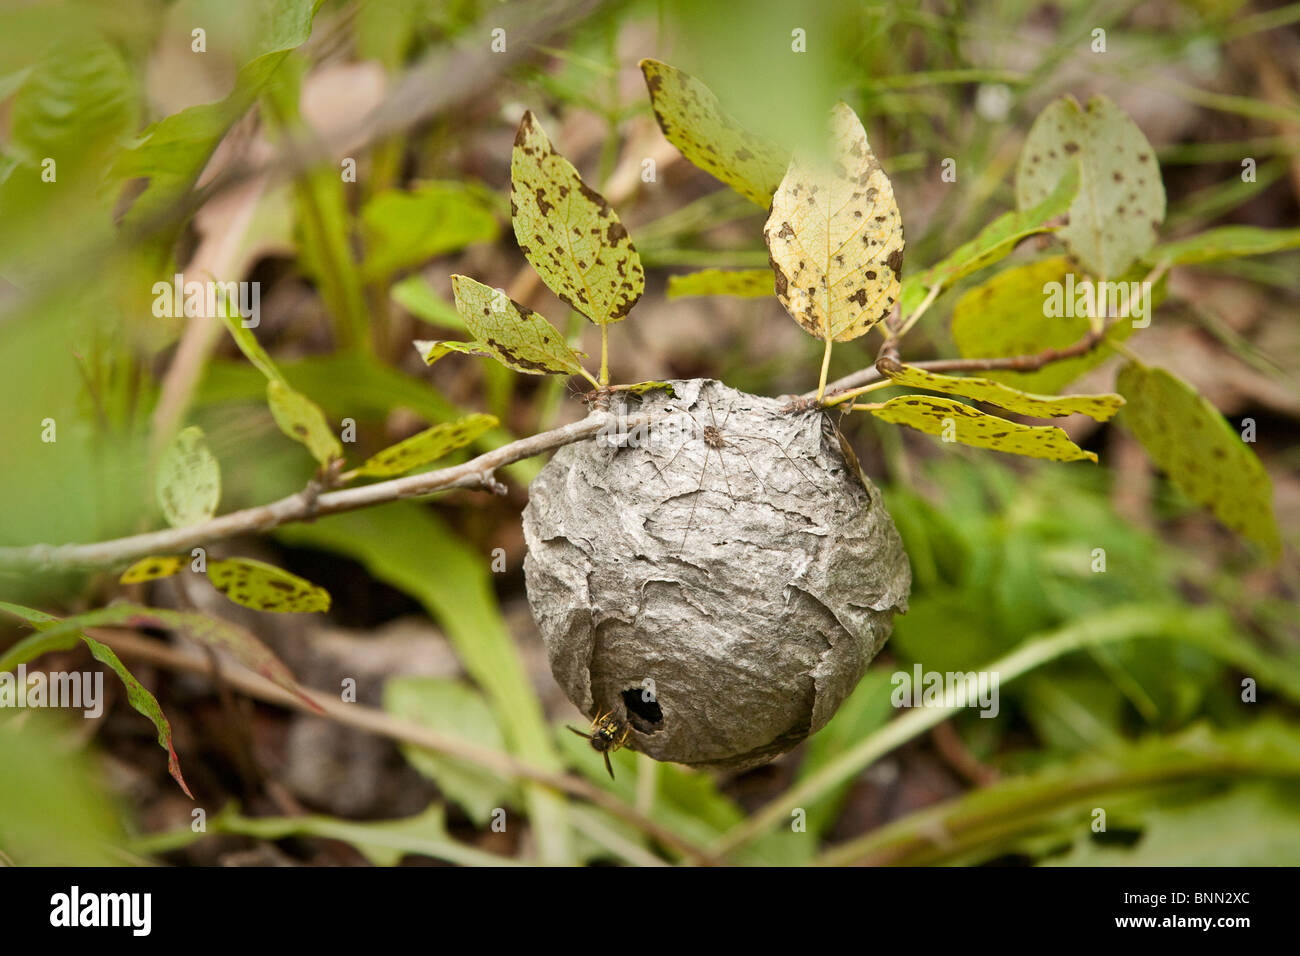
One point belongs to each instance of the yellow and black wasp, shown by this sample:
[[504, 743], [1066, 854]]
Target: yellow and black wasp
[[608, 733]]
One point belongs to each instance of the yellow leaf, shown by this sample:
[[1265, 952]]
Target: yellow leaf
[[151, 568], [835, 237], [302, 420], [428, 446], [264, 587], [954, 421], [694, 121], [743, 283], [1099, 407], [569, 233]]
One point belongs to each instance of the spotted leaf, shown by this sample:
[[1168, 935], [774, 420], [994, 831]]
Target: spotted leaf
[[264, 587], [1120, 205], [188, 481], [152, 568], [569, 233], [428, 446], [951, 419], [694, 121], [741, 283], [1200, 452], [835, 237], [513, 334], [302, 420], [1099, 407]]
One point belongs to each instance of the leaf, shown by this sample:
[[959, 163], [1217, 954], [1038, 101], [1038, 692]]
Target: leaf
[[1099, 407], [513, 334], [152, 568], [694, 121], [992, 243], [744, 283], [835, 237], [569, 233], [404, 229], [251, 348], [1201, 453], [1117, 213], [641, 388], [1006, 316], [65, 633], [302, 420], [188, 482], [415, 295], [144, 702], [981, 430], [1226, 242], [453, 708], [264, 587], [428, 446]]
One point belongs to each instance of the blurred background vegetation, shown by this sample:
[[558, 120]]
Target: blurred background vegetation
[[1131, 696]]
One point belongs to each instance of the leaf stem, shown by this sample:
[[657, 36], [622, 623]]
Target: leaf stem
[[826, 364], [604, 355], [855, 392], [920, 311]]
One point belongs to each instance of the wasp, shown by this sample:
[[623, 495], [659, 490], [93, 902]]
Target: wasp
[[608, 733]]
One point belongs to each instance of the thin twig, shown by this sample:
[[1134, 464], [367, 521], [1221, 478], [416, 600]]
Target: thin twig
[[378, 722], [305, 505]]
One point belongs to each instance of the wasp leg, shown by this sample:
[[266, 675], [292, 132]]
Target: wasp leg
[[578, 732], [608, 766]]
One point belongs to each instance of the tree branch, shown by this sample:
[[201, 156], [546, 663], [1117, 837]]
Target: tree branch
[[1014, 363], [306, 505]]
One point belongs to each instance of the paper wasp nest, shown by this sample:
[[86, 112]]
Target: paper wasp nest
[[720, 580]]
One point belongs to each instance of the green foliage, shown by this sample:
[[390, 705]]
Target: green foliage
[[403, 229], [188, 481], [743, 283], [426, 447], [1203, 455], [264, 587], [1098, 407], [962, 423]]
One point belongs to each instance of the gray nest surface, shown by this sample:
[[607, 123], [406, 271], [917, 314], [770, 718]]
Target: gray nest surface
[[720, 580]]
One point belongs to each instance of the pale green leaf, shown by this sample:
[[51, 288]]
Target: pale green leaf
[[1100, 407], [264, 587], [1202, 454], [1117, 213], [302, 420], [835, 237], [1226, 242], [188, 482], [569, 233], [249, 345], [694, 121], [993, 243], [742, 283], [453, 708], [969, 426], [428, 446], [513, 334], [1007, 316]]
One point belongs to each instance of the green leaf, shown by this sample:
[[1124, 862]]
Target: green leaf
[[415, 295], [1099, 407], [742, 283], [428, 446], [143, 701], [569, 233], [1202, 454], [188, 482], [264, 587], [973, 427], [136, 693], [993, 243], [152, 568], [251, 348], [1006, 316], [640, 388], [408, 547], [453, 708], [694, 121], [835, 237], [513, 334], [302, 420], [404, 229], [1226, 242], [1117, 213]]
